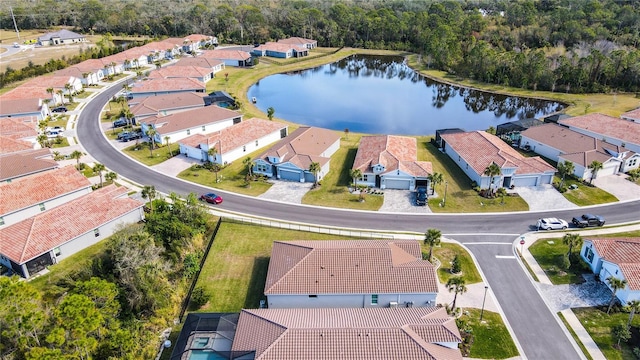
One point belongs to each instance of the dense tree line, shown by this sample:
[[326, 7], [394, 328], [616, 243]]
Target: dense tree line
[[115, 308], [556, 45]]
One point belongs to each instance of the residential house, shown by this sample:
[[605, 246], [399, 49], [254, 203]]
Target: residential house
[[633, 115], [165, 104], [607, 128], [23, 107], [180, 125], [278, 50], [10, 145], [202, 74], [15, 165], [290, 158], [63, 83], [30, 195], [560, 144], [618, 258], [474, 151], [29, 246], [27, 93], [198, 41], [237, 58], [390, 162], [349, 273], [213, 65], [20, 128], [161, 86], [233, 142], [302, 42], [62, 37], [426, 333], [130, 59], [92, 71]]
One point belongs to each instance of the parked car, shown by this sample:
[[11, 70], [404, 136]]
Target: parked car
[[59, 109], [421, 196], [120, 123], [588, 220], [51, 129], [211, 198], [53, 134], [552, 224], [129, 135]]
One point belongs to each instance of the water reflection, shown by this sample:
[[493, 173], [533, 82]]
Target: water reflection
[[381, 94]]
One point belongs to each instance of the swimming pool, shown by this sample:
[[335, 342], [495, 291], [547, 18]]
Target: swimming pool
[[205, 355]]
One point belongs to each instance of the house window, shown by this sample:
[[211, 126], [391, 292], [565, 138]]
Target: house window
[[237, 120], [256, 142], [313, 296], [365, 178], [589, 255], [261, 167], [203, 128], [1, 220], [374, 299], [188, 131], [244, 148], [96, 232], [57, 251], [41, 206], [283, 133], [459, 158]]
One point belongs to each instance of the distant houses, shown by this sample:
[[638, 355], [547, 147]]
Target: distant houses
[[62, 37]]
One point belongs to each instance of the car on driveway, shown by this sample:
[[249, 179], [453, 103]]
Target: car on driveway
[[211, 198], [421, 196], [588, 220], [129, 135], [59, 109], [552, 224], [120, 123]]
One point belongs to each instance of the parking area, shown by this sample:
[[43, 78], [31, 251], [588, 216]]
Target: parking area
[[543, 197], [618, 186]]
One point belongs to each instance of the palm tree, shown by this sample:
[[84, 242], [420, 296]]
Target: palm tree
[[68, 87], [432, 238], [615, 284], [50, 92], [149, 192], [565, 168], [572, 239], [457, 285], [99, 168], [435, 179], [61, 93], [355, 175], [492, 171], [314, 168], [76, 155], [166, 139], [110, 176], [42, 140], [502, 192], [151, 133], [595, 166], [249, 164], [346, 133], [213, 152], [632, 306], [270, 112]]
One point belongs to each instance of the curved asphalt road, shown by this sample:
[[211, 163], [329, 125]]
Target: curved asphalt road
[[488, 236]]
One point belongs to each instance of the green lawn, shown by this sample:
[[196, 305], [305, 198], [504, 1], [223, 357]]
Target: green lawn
[[445, 253], [599, 325], [83, 95], [585, 195], [548, 254], [59, 143], [58, 120], [142, 153], [491, 339]]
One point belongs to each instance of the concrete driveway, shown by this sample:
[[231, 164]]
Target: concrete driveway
[[402, 201], [618, 186], [544, 197], [286, 191]]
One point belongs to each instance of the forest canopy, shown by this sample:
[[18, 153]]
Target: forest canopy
[[555, 45]]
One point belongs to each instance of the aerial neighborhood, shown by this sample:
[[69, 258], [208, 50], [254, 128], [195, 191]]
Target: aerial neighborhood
[[240, 282]]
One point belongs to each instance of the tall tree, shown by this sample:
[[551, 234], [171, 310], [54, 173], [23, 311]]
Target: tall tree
[[215, 167], [76, 155], [166, 139], [314, 168], [633, 306], [572, 240], [99, 168], [492, 170], [432, 238], [22, 314], [68, 87], [149, 192], [270, 112], [565, 168], [151, 133], [456, 285], [435, 179], [355, 175], [615, 284], [110, 176], [595, 166], [248, 163]]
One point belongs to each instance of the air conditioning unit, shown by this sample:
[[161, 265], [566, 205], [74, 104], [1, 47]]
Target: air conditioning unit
[[393, 304], [408, 304]]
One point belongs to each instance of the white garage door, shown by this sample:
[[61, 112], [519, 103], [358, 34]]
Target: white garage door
[[608, 169], [546, 179], [401, 184], [524, 181]]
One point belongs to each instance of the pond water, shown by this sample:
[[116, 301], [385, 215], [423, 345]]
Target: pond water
[[382, 95]]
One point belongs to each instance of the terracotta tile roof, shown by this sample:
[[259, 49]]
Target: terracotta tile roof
[[17, 106], [303, 146], [180, 72], [226, 54], [34, 236], [199, 61], [280, 47], [393, 152], [173, 84], [189, 119], [625, 252], [297, 41], [23, 92], [198, 37], [11, 145], [40, 187], [480, 149], [348, 267], [174, 41], [87, 66], [23, 163], [153, 105], [624, 130], [403, 333], [47, 81], [633, 114], [237, 135], [19, 128]]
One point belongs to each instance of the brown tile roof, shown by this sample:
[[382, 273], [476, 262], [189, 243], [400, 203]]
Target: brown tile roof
[[19, 127], [40, 187], [349, 266], [633, 114], [226, 54], [480, 149], [23, 92], [180, 72], [47, 81], [237, 135], [624, 130], [189, 119], [297, 41], [23, 163], [625, 252], [152, 105], [174, 41], [87, 66], [199, 61], [11, 145], [36, 235], [173, 84], [198, 37], [280, 47], [9, 106], [344, 334], [394, 152], [303, 146]]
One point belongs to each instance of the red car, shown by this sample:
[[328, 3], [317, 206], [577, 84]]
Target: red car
[[211, 198]]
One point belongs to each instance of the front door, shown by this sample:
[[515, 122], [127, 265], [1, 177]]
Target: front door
[[506, 183], [377, 181]]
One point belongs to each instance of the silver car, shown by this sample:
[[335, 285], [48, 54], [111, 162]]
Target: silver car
[[552, 224]]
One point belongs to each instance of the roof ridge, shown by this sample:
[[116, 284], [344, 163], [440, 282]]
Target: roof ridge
[[31, 221], [311, 249]]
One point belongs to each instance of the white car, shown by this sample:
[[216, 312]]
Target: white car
[[552, 224]]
